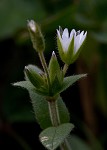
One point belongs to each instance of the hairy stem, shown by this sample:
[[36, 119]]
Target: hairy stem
[[44, 65], [55, 119], [54, 114], [52, 103]]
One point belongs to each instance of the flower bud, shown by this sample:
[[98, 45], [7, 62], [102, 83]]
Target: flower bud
[[54, 70], [36, 36], [33, 77]]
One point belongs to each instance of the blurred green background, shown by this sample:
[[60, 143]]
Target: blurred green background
[[86, 100]]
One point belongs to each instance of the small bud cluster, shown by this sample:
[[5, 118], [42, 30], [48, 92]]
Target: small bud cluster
[[69, 47]]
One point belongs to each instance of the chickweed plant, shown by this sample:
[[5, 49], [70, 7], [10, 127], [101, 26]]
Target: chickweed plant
[[45, 85]]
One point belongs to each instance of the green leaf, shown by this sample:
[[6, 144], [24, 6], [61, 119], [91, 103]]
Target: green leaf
[[24, 84], [68, 81], [29, 86], [63, 111], [40, 106], [41, 110], [52, 137]]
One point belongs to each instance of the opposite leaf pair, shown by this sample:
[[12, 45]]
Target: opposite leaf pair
[[45, 87], [57, 81]]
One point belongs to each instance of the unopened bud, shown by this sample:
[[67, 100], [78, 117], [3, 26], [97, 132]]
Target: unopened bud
[[33, 77], [36, 36], [32, 26], [54, 69]]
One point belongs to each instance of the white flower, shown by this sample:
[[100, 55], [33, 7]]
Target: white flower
[[66, 38], [31, 25], [69, 44]]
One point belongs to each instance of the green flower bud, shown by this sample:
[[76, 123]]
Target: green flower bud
[[36, 36], [55, 73], [34, 77]]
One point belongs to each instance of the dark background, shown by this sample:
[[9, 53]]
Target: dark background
[[86, 100]]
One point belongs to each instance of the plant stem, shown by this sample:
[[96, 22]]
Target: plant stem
[[52, 103], [67, 145], [65, 68], [55, 119], [54, 114], [44, 65]]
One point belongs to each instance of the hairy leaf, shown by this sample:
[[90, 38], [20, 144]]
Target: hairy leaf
[[68, 81], [41, 110], [40, 106], [52, 137]]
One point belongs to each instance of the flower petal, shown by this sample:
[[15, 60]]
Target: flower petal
[[73, 32], [82, 37], [65, 34], [76, 43]]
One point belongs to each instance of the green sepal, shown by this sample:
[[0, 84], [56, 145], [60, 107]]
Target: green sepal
[[34, 77], [66, 56], [61, 51]]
